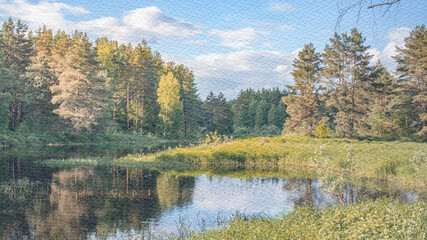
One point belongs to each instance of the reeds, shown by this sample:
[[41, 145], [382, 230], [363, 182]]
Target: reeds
[[380, 219]]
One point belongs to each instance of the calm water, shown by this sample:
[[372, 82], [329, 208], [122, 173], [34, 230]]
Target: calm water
[[129, 203]]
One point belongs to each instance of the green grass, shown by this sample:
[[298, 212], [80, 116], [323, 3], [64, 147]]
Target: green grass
[[380, 219], [398, 163]]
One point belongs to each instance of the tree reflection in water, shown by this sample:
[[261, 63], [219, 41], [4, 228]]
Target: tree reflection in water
[[127, 202]]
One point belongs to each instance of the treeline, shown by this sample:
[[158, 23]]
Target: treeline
[[61, 83], [338, 90], [258, 112], [65, 84]]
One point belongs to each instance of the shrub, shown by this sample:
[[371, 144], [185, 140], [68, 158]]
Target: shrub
[[322, 130]]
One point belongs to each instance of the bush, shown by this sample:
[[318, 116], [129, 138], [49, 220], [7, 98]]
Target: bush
[[322, 130]]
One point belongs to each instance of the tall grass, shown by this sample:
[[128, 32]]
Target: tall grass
[[380, 219], [395, 161]]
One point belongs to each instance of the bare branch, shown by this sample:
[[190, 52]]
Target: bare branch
[[344, 9], [382, 4]]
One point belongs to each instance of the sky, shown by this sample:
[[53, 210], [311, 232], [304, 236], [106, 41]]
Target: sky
[[229, 45]]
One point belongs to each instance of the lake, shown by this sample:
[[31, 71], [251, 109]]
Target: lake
[[113, 202]]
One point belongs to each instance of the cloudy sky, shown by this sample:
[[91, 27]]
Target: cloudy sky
[[229, 45]]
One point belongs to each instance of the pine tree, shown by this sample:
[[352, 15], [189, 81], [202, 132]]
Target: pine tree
[[261, 115], [171, 107], [346, 68], [16, 47], [80, 91], [252, 112], [5, 97], [123, 78], [281, 116], [223, 116], [108, 63], [209, 112], [39, 114], [244, 118], [240, 108], [272, 115], [189, 99], [412, 69], [218, 114], [382, 99], [145, 109], [61, 44], [303, 106]]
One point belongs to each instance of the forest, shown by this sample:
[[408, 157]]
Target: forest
[[54, 83]]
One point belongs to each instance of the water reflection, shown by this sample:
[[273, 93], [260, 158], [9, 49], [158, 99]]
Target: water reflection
[[102, 201], [110, 203]]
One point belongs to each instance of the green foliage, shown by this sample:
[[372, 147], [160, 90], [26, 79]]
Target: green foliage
[[322, 130], [28, 139], [346, 71], [412, 69], [16, 52], [171, 108], [303, 107], [261, 114], [59, 82], [188, 94], [214, 138], [258, 109], [218, 114], [5, 100], [80, 91], [380, 219]]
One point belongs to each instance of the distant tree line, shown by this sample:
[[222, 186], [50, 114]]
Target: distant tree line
[[65, 84]]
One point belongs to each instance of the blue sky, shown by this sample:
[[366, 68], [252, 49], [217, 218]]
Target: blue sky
[[229, 45]]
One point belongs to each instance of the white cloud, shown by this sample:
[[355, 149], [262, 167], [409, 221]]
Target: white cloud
[[375, 53], [47, 13], [281, 7], [152, 20], [396, 38], [148, 23], [239, 38], [235, 71]]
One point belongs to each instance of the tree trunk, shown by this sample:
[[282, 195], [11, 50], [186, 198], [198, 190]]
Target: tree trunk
[[127, 105]]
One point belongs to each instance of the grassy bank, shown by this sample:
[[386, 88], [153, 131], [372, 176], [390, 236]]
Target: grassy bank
[[396, 161], [381, 219], [24, 139]]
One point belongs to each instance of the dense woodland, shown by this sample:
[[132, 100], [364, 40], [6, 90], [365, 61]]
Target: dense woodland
[[56, 83]]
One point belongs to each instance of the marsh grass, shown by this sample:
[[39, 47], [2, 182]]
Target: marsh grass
[[380, 219], [395, 162]]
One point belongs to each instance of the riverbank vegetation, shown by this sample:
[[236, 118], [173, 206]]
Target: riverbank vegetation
[[31, 139], [399, 161], [380, 219]]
